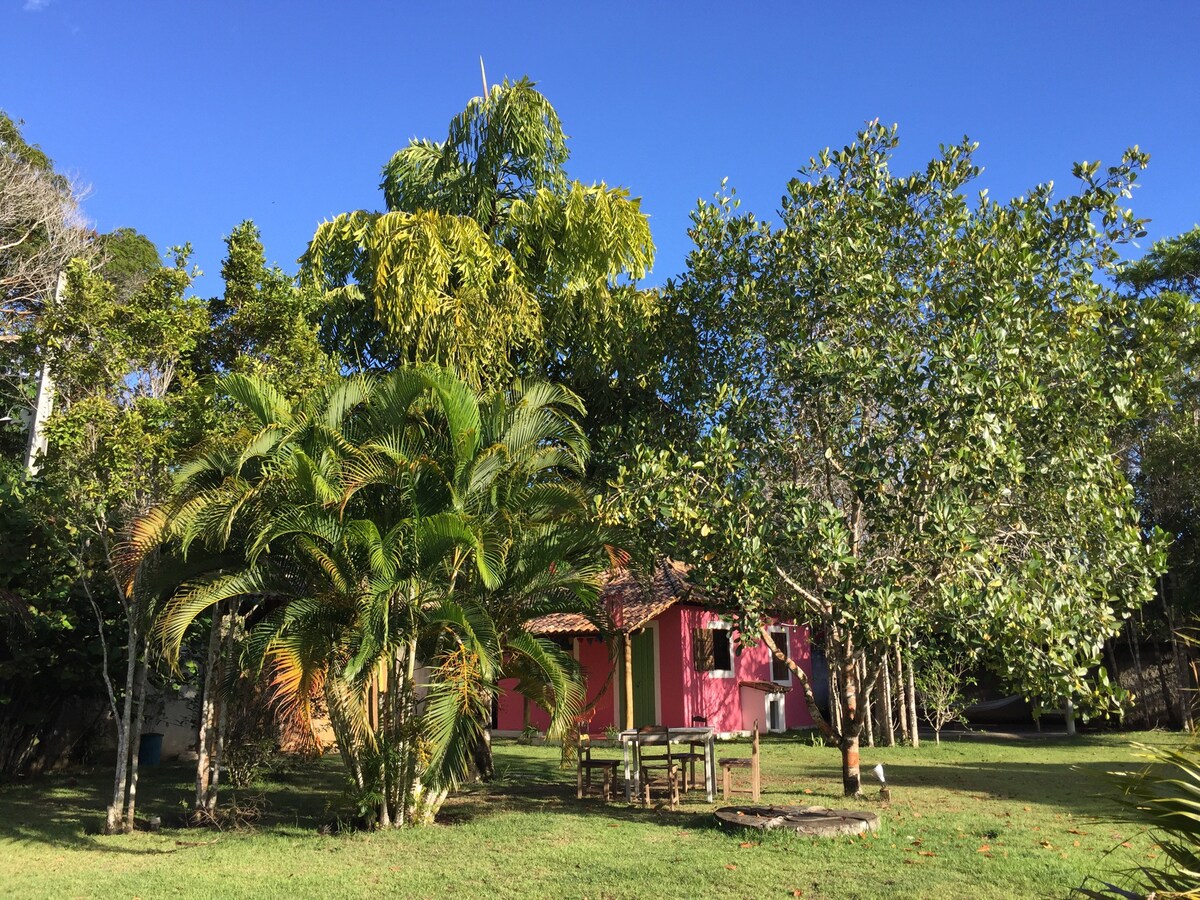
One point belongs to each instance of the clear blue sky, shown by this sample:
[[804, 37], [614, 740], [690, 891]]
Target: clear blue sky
[[187, 117]]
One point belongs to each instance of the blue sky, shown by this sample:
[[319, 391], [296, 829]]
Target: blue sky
[[185, 118]]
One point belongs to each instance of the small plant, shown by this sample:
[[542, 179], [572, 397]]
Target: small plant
[[940, 682], [612, 733], [528, 735]]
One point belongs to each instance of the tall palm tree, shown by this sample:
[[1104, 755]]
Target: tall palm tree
[[397, 531]]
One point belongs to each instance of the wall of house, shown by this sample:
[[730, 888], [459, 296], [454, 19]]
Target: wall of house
[[593, 655], [683, 693], [717, 696]]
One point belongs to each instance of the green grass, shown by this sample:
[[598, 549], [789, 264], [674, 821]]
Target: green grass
[[1032, 804]]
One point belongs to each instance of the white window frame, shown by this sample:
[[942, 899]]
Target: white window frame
[[787, 679], [720, 625]]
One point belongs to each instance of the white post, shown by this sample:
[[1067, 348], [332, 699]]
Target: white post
[[45, 401]]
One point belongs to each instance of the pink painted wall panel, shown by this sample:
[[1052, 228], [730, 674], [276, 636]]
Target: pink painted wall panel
[[683, 692], [593, 655], [511, 709]]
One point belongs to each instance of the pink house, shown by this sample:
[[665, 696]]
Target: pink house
[[684, 663]]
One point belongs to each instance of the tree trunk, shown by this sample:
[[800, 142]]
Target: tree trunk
[[885, 700], [1164, 688], [135, 742], [867, 701], [1181, 670], [912, 703], [901, 696], [115, 819], [1136, 652], [835, 701], [1069, 716], [851, 777], [810, 699], [207, 724], [481, 756]]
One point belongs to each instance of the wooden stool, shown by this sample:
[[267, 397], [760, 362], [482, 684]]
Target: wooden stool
[[742, 762]]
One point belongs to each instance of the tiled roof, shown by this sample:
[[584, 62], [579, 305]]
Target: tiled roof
[[627, 601]]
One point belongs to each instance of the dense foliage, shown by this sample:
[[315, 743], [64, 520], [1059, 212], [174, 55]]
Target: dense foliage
[[913, 400]]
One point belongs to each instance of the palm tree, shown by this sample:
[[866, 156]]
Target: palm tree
[[393, 534]]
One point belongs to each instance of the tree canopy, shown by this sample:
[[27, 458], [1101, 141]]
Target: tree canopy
[[913, 403], [487, 257]]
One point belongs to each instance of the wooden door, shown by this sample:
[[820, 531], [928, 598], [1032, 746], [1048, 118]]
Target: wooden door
[[645, 691]]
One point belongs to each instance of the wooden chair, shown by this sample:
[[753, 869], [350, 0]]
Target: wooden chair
[[695, 752], [743, 762], [657, 770], [585, 765]]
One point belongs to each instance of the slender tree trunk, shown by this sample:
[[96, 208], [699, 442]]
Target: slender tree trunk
[[1181, 670], [1114, 670], [835, 701], [408, 699], [810, 699], [1168, 706], [1069, 716], [912, 702], [136, 738], [901, 696], [207, 723], [884, 687], [867, 701], [1140, 673], [115, 820]]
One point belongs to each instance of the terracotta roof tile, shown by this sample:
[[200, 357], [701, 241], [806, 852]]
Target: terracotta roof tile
[[627, 601]]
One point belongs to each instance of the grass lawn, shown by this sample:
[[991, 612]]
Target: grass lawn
[[976, 818]]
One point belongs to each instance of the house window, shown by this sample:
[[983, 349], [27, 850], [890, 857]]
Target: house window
[[779, 669], [712, 651]]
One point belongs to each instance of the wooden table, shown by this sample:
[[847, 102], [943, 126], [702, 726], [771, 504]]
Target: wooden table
[[632, 741]]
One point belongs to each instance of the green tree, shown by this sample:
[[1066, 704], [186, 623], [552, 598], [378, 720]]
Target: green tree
[[490, 259], [913, 433], [261, 323], [386, 525], [1163, 451], [116, 361], [41, 228]]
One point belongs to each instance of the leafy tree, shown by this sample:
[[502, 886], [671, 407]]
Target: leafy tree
[[1164, 448], [913, 429], [41, 228], [386, 525], [50, 703], [1171, 265], [261, 324], [488, 258], [116, 361], [942, 678]]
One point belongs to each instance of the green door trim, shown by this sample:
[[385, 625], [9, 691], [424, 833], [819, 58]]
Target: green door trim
[[645, 680]]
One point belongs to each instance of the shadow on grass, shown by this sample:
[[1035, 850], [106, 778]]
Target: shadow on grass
[[67, 809]]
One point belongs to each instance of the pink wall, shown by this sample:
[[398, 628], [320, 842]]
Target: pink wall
[[719, 698], [683, 692]]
